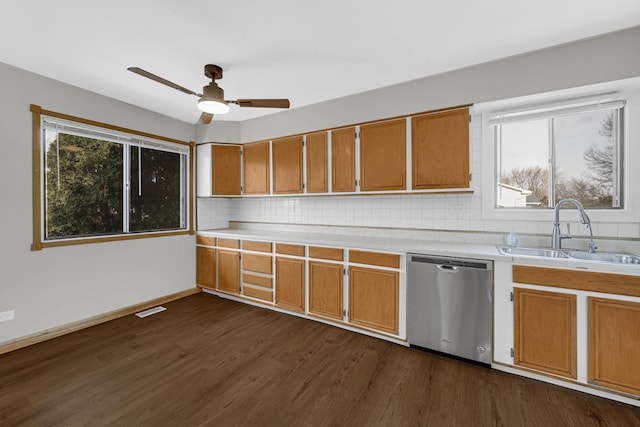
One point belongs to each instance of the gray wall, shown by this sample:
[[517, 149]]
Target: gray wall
[[218, 131], [610, 57], [56, 286]]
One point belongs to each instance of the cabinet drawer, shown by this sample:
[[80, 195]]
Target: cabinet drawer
[[229, 243], [256, 246], [258, 263], [375, 258], [265, 282], [206, 240], [285, 249], [326, 253], [620, 284], [262, 294]]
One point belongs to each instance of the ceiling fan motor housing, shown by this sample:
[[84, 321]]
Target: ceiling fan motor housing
[[212, 100], [213, 91]]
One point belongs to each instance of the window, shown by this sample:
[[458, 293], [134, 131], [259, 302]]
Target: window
[[545, 155], [99, 182]]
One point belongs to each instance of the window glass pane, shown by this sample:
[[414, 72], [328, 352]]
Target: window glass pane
[[83, 179], [155, 190], [584, 157], [523, 159]]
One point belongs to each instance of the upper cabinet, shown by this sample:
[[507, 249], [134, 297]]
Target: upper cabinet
[[429, 149], [287, 165], [440, 150], [225, 176], [255, 167], [343, 160], [383, 156], [317, 176]]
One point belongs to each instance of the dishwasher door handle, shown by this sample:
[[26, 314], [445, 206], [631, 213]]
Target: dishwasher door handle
[[447, 268]]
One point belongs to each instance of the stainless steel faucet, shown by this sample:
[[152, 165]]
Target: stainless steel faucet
[[556, 236]]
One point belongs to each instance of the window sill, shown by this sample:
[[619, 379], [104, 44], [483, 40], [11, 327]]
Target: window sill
[[36, 246], [596, 215]]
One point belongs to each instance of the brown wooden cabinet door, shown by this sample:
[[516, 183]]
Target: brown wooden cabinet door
[[343, 160], [225, 164], [317, 177], [229, 271], [373, 298], [440, 150], [614, 344], [326, 289], [255, 168], [383, 156], [290, 283], [287, 165], [206, 267], [545, 331]]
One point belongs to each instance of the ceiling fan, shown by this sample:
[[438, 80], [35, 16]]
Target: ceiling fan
[[212, 97]]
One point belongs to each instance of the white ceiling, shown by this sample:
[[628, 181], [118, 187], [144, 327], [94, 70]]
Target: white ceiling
[[305, 51]]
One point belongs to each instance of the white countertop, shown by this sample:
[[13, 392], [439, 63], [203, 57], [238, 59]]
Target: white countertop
[[390, 244], [409, 245]]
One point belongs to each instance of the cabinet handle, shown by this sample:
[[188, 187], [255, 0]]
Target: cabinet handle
[[447, 268]]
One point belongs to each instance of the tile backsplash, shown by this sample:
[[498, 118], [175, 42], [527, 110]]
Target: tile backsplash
[[213, 213], [418, 211]]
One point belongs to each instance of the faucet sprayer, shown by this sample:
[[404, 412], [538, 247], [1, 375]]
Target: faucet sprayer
[[556, 236]]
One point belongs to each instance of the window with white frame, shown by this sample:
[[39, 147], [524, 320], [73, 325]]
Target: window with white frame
[[103, 182], [547, 154]]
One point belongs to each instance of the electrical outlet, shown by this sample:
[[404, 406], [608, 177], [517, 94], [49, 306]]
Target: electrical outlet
[[7, 315]]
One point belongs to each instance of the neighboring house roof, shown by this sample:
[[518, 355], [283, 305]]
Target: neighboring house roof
[[520, 196], [511, 187]]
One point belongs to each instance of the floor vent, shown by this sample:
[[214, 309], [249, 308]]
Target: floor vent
[[150, 311]]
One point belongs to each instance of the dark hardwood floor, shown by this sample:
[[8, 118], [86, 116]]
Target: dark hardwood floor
[[210, 361]]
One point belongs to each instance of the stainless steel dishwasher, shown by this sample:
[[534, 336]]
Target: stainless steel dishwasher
[[450, 305]]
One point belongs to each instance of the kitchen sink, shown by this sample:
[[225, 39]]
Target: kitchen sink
[[615, 258], [608, 257], [537, 252]]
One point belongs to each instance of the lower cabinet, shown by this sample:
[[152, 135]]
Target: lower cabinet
[[257, 276], [326, 289], [290, 283], [229, 271], [374, 298], [257, 270], [206, 267], [545, 331], [614, 344], [580, 325], [354, 287]]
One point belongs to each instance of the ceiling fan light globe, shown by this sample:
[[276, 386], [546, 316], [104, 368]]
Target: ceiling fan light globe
[[212, 106]]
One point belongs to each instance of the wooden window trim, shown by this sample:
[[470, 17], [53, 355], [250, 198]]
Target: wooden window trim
[[36, 157]]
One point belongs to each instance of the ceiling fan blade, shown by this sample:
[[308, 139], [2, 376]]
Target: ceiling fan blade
[[263, 103], [205, 119], [159, 79]]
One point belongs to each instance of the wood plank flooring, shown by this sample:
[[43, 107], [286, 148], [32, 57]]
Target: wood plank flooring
[[207, 361]]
